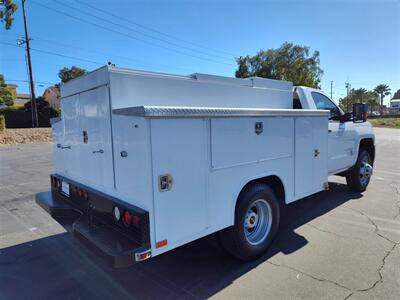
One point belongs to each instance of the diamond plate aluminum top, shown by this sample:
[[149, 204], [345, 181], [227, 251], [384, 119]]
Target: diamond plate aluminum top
[[213, 112]]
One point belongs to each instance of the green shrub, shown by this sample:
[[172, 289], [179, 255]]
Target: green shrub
[[2, 123], [21, 117]]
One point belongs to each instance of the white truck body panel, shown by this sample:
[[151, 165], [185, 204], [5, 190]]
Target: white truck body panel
[[203, 155], [203, 131]]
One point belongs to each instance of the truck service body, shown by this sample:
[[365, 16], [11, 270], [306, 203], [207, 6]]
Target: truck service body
[[145, 162]]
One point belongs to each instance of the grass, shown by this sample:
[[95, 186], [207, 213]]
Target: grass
[[386, 122]]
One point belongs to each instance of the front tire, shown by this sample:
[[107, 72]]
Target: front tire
[[359, 175], [257, 216]]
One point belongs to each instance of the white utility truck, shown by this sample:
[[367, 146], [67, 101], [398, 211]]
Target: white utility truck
[[145, 162]]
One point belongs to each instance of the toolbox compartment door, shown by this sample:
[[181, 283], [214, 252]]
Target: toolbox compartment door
[[87, 143], [180, 212], [311, 140]]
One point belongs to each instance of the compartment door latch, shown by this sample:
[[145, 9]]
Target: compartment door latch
[[165, 182]]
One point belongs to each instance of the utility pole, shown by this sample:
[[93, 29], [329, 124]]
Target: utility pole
[[348, 86], [331, 89], [30, 92], [35, 121]]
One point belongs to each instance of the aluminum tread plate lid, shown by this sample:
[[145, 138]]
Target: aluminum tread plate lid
[[214, 112]]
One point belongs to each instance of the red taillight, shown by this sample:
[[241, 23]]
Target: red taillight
[[136, 220], [127, 218]]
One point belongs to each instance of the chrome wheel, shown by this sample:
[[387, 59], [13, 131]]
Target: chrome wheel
[[365, 171], [257, 222]]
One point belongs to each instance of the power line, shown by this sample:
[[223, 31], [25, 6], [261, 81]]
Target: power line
[[138, 31], [152, 29], [56, 54], [61, 55], [36, 82], [110, 55], [127, 35]]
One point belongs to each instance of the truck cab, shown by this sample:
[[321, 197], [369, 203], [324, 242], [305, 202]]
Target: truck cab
[[345, 135]]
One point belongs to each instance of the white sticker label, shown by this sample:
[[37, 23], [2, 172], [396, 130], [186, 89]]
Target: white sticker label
[[65, 188]]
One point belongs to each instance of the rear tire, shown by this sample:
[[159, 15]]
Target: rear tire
[[359, 175], [257, 216]]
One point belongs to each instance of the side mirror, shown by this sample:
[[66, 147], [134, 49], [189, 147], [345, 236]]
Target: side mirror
[[359, 112]]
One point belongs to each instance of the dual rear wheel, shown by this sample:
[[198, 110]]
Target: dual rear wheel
[[257, 213], [256, 223]]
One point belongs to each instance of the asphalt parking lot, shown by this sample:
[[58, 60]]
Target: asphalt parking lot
[[335, 244]]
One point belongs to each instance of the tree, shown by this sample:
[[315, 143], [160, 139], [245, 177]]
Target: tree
[[7, 9], [347, 102], [6, 97], [383, 90], [289, 62], [372, 99], [397, 94], [359, 94], [45, 111], [67, 74]]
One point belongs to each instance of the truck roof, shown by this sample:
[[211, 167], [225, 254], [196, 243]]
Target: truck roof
[[132, 88]]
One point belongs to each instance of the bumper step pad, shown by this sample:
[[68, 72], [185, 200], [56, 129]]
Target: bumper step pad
[[117, 248]]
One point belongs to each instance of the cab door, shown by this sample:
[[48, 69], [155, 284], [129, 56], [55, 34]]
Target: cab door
[[341, 135]]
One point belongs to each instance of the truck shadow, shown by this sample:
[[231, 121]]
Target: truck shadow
[[59, 267]]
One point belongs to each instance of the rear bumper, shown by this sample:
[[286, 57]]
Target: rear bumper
[[118, 249]]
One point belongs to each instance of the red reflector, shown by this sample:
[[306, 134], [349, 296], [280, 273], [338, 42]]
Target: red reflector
[[161, 243], [127, 218]]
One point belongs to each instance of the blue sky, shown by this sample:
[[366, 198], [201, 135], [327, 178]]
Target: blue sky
[[358, 40]]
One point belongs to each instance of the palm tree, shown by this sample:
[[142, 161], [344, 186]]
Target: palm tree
[[383, 90], [372, 99], [359, 94]]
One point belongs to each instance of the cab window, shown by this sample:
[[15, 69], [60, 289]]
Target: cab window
[[324, 103]]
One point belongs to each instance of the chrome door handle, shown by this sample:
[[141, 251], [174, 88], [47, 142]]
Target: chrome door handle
[[65, 147], [101, 151]]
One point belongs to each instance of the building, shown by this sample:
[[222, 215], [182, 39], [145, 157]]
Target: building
[[394, 106], [52, 95], [13, 89], [19, 99]]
